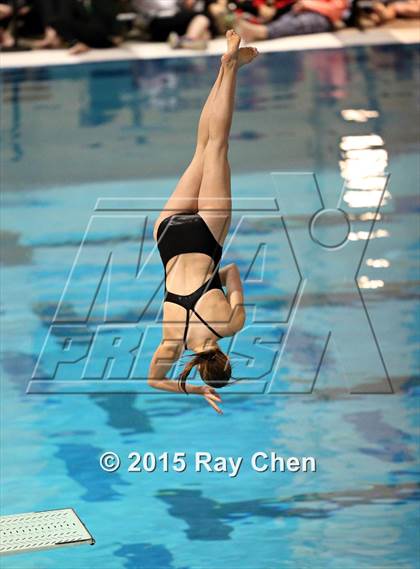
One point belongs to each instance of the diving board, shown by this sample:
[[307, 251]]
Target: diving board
[[42, 530]]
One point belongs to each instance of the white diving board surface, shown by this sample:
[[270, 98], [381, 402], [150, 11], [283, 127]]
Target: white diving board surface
[[42, 530]]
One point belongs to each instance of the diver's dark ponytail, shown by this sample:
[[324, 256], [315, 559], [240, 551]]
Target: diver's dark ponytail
[[186, 372], [214, 368]]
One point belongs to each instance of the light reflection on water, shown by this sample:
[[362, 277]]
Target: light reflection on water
[[71, 136]]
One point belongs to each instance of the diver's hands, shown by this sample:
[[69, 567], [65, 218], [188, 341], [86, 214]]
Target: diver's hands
[[212, 397]]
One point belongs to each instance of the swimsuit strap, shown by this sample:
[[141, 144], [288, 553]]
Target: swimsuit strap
[[206, 323], [187, 323]]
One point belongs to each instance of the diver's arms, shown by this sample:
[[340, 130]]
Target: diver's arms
[[223, 273], [235, 297], [162, 361]]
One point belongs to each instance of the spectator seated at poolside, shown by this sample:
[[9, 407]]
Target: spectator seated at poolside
[[379, 13], [183, 24], [6, 15], [305, 17], [223, 12], [6, 39], [79, 24]]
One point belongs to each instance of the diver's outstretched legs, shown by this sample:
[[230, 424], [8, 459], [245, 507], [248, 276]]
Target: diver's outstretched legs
[[214, 200], [192, 189], [185, 195]]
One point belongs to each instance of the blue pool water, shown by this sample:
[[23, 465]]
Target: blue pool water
[[74, 135]]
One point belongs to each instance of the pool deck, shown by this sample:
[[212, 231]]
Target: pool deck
[[400, 32]]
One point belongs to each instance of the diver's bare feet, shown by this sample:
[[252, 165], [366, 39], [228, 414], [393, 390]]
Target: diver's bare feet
[[233, 41], [246, 55]]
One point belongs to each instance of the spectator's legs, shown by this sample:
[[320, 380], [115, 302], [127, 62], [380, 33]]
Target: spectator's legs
[[388, 12], [57, 16], [5, 11], [91, 33], [6, 39], [218, 11], [81, 29], [160, 28], [198, 29], [290, 24], [250, 31], [409, 9], [28, 22], [194, 27]]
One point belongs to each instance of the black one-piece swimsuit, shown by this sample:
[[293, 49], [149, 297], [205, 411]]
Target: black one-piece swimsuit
[[189, 233]]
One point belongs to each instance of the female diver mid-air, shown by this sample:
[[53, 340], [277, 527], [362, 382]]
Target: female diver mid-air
[[190, 232]]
